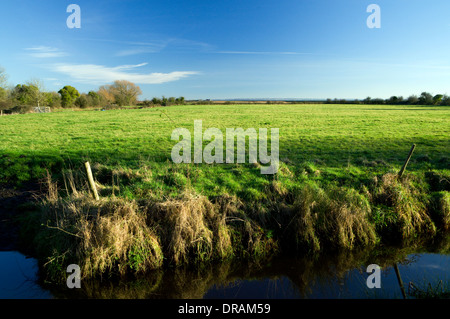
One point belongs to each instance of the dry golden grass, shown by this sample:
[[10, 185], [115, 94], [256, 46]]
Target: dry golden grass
[[117, 235], [193, 228], [183, 227], [336, 217], [120, 238], [105, 235]]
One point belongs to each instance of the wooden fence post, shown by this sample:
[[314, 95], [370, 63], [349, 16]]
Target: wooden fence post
[[407, 160], [91, 180]]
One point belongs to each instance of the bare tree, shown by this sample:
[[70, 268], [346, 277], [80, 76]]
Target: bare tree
[[38, 92], [105, 94], [3, 78], [124, 92], [4, 102]]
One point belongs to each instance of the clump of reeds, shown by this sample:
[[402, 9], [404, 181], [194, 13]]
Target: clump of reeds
[[192, 229], [408, 203], [333, 217], [438, 291], [118, 239], [109, 235], [116, 235], [183, 228]]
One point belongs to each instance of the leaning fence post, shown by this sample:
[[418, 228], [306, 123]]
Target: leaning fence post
[[91, 180], [407, 160]]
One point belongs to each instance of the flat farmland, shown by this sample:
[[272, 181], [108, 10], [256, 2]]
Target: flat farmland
[[330, 137]]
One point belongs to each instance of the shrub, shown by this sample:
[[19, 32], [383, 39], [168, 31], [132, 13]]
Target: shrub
[[21, 109]]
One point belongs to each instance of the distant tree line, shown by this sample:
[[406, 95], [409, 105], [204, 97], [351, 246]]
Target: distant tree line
[[423, 99], [23, 97], [164, 101]]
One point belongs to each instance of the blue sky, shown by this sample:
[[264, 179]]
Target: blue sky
[[231, 49]]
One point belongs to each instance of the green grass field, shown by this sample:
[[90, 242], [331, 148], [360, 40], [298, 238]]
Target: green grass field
[[336, 186], [331, 133], [342, 141]]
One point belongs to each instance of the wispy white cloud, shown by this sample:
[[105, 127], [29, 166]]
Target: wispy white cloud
[[134, 51], [189, 44], [129, 47], [99, 74], [45, 52], [260, 52], [129, 67], [136, 48]]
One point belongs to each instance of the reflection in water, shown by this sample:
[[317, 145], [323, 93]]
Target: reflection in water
[[18, 275], [342, 275]]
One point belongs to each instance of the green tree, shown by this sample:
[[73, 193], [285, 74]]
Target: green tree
[[23, 94], [180, 100], [156, 101], [445, 100], [94, 98], [5, 105], [412, 100], [426, 98], [377, 101], [393, 100], [5, 101], [53, 99], [69, 94], [172, 100], [3, 94], [437, 99], [82, 101]]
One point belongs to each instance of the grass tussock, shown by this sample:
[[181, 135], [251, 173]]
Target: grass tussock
[[333, 218], [183, 228], [195, 229], [105, 236], [404, 206], [120, 236], [109, 235]]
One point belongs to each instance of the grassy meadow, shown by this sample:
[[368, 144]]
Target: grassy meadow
[[344, 141], [336, 186]]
